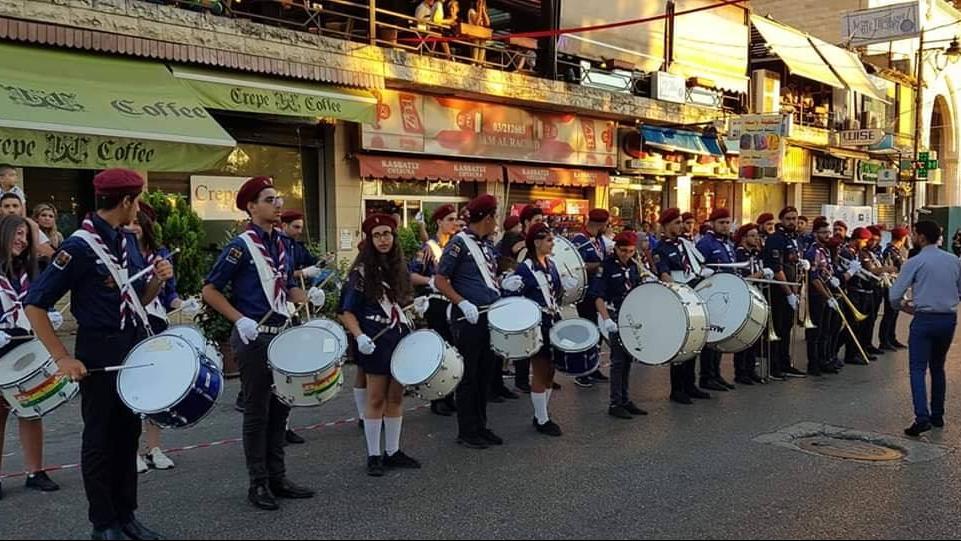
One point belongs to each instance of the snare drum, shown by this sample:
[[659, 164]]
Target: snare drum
[[660, 323], [306, 365], [737, 312], [575, 348], [30, 384], [337, 330], [515, 327], [427, 365], [195, 337], [178, 391]]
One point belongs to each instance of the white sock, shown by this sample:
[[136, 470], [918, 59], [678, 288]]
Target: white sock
[[392, 434], [360, 399], [372, 431], [540, 407]]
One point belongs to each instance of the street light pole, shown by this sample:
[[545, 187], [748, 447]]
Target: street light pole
[[918, 103]]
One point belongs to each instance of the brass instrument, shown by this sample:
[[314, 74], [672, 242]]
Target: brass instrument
[[844, 320], [858, 316]]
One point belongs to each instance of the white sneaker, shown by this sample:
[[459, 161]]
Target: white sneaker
[[141, 465], [159, 460]]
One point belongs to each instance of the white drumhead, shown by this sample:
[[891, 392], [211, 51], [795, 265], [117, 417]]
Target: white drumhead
[[728, 303], [514, 314], [156, 388], [574, 335], [417, 357], [303, 350], [653, 324], [22, 361], [335, 328], [190, 334]]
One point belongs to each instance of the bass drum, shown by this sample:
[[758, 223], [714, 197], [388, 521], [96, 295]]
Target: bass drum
[[570, 264], [661, 323], [737, 311]]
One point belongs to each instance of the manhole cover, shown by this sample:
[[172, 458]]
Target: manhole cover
[[849, 449]]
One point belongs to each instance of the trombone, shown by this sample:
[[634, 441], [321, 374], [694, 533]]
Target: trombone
[[804, 304], [858, 316]]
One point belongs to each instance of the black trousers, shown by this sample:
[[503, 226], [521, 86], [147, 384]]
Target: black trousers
[[745, 361], [864, 302], [588, 310], [265, 416], [111, 432], [436, 317], [888, 332], [784, 317], [683, 376], [710, 364], [820, 340], [474, 344]]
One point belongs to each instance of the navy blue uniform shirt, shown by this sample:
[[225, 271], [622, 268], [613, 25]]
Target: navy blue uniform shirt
[[458, 266], [532, 290], [614, 281], [781, 253], [591, 249], [717, 249], [671, 256]]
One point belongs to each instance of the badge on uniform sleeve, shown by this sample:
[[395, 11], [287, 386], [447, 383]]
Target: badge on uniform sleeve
[[62, 259], [234, 255], [455, 249], [776, 254]]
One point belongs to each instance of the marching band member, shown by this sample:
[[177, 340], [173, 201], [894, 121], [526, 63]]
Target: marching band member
[[542, 283], [17, 270], [859, 291], [766, 227], [674, 259], [690, 226], [506, 258], [590, 244], [618, 276], [841, 230], [259, 266], [422, 271], [94, 265], [371, 311], [875, 253], [822, 305], [465, 275], [530, 216], [748, 238], [781, 254], [716, 247], [894, 255]]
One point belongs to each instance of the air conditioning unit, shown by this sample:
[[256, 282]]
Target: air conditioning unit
[[765, 92]]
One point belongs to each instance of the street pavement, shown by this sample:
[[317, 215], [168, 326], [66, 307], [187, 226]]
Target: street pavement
[[682, 472]]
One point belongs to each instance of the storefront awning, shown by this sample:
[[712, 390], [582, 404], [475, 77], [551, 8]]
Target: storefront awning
[[796, 50], [681, 141], [849, 67], [78, 111], [251, 94], [401, 168], [555, 176]]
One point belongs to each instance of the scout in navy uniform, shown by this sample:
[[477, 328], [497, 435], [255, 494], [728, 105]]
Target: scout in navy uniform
[[306, 265], [748, 239], [875, 252], [422, 270], [717, 248], [259, 268], [672, 259], [841, 230], [542, 283], [859, 290], [94, 265], [530, 216], [619, 275], [782, 255], [766, 227], [822, 305], [465, 275], [690, 227], [895, 255], [378, 285], [590, 244]]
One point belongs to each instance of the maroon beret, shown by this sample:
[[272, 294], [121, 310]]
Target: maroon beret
[[840, 223], [626, 238], [537, 232], [765, 218], [899, 233], [148, 211], [289, 216], [481, 207], [251, 189], [529, 212], [599, 215], [443, 212], [803, 219], [117, 181], [785, 211], [377, 220], [687, 216], [743, 231], [820, 223], [669, 216], [861, 233], [719, 214], [511, 222], [875, 231]]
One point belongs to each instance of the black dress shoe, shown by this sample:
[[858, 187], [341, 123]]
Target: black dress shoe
[[744, 380], [829, 369], [694, 392], [293, 438], [871, 350], [472, 442], [262, 498], [375, 466], [756, 378], [549, 428], [400, 461], [135, 530], [440, 407], [724, 382], [584, 382], [490, 437], [713, 385], [40, 481], [777, 376], [108, 534], [555, 386], [290, 491], [937, 422], [633, 409], [917, 429], [888, 347], [239, 403], [598, 376], [898, 345], [620, 412], [792, 372], [872, 358], [504, 392], [681, 398], [856, 362]]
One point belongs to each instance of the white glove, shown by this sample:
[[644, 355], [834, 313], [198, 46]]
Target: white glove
[[854, 267], [190, 307], [470, 311], [365, 345], [833, 303], [317, 296], [609, 326], [768, 273], [4, 339], [835, 283], [805, 265], [792, 299], [512, 283], [419, 217], [247, 329], [56, 319], [433, 285], [421, 304], [706, 272], [569, 282], [310, 272]]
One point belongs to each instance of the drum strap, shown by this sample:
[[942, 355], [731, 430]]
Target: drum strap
[[12, 303], [435, 250], [272, 279], [156, 307], [546, 289], [480, 260], [119, 275], [694, 256]]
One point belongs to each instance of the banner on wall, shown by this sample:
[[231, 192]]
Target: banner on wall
[[852, 216], [215, 198], [762, 140]]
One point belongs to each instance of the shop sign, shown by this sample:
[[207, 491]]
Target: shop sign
[[825, 165], [884, 198], [882, 24], [887, 178], [401, 168], [215, 198], [553, 176], [852, 216], [860, 138], [868, 171], [763, 143]]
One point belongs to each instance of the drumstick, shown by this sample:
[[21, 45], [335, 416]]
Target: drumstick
[[118, 368], [150, 269], [385, 329], [484, 311]]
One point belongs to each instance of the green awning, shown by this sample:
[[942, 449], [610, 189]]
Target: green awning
[[251, 94], [78, 111]]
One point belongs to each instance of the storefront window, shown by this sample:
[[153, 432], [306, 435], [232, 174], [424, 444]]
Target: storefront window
[[761, 198], [283, 164], [414, 197], [708, 195]]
